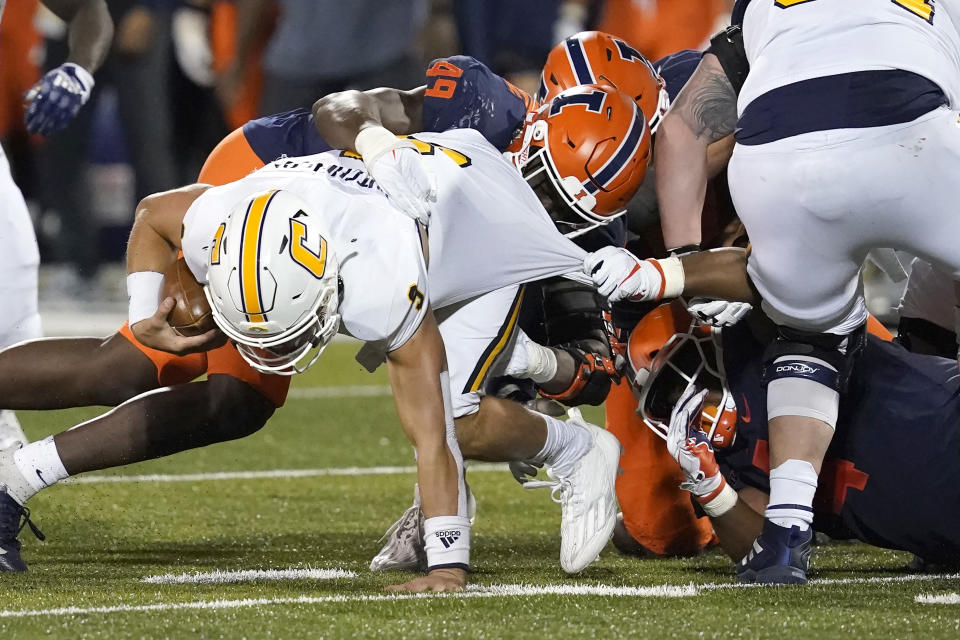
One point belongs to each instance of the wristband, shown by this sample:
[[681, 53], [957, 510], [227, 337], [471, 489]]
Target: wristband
[[447, 542], [143, 295], [723, 502], [373, 142], [671, 277]]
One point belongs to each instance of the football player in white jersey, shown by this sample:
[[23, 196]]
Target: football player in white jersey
[[51, 104], [344, 226], [847, 139]]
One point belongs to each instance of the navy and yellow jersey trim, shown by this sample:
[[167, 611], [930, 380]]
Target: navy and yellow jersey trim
[[496, 346], [855, 100], [250, 245], [463, 93], [290, 133]]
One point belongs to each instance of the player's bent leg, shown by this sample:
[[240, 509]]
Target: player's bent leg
[[658, 517], [152, 425], [164, 422], [582, 458], [805, 374], [56, 373]]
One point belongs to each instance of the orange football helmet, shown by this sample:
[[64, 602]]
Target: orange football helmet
[[595, 57], [667, 353], [585, 153]]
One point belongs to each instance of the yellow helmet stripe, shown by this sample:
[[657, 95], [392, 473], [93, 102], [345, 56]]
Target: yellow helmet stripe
[[250, 256]]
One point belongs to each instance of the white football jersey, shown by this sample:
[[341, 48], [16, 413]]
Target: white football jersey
[[487, 231], [787, 41]]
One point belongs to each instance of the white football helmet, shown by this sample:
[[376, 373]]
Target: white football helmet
[[273, 282]]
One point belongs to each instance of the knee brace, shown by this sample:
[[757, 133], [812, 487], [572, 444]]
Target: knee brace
[[805, 372]]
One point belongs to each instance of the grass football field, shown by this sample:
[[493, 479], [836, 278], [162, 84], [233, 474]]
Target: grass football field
[[129, 556]]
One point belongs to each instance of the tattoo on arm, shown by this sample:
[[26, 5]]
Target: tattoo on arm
[[709, 107]]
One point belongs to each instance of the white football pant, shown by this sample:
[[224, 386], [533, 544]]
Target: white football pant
[[19, 261], [814, 204], [478, 335]]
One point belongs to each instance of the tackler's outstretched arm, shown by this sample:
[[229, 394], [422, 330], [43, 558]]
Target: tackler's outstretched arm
[[369, 123]]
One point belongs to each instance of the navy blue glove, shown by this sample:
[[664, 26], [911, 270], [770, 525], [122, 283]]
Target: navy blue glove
[[54, 101]]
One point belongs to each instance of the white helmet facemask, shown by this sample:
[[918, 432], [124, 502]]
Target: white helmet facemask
[[273, 283]]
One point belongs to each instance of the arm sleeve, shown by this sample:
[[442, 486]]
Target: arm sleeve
[[462, 93], [728, 47]]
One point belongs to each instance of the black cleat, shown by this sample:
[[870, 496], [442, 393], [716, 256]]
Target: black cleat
[[780, 555], [13, 518]]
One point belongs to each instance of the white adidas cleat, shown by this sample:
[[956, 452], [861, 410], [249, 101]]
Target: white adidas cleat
[[404, 549], [11, 435], [588, 499]]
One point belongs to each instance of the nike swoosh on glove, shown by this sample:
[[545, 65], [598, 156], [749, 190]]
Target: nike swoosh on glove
[[689, 445], [410, 185], [54, 101], [620, 275], [717, 313]]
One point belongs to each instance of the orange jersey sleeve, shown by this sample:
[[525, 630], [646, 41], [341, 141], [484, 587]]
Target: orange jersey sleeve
[[230, 160]]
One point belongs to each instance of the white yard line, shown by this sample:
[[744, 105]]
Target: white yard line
[[495, 591], [491, 591], [340, 391], [265, 475], [828, 582], [943, 598], [249, 575]]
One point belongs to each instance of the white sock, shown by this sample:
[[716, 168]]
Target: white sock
[[792, 486], [566, 443], [40, 465], [531, 360]]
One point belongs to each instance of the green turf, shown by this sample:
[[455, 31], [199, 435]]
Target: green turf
[[104, 538]]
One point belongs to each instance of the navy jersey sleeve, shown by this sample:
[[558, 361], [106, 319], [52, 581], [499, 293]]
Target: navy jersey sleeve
[[462, 93], [676, 69], [290, 133]]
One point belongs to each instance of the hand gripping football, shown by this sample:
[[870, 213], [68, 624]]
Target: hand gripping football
[[191, 315]]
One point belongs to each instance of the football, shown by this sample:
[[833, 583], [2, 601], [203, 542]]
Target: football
[[191, 316]]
